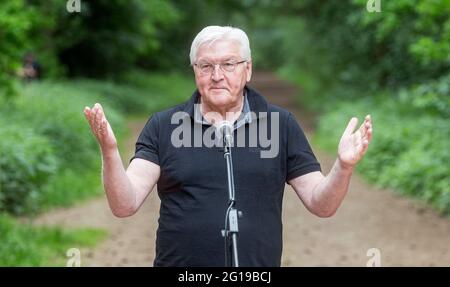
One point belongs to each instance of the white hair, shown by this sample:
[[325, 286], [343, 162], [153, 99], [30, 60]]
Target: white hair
[[213, 33]]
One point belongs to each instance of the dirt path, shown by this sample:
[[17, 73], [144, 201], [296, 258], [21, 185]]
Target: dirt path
[[404, 231]]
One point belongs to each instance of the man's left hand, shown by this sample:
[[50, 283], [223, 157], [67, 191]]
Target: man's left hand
[[353, 145]]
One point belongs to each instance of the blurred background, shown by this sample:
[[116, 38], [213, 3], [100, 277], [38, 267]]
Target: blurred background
[[339, 59]]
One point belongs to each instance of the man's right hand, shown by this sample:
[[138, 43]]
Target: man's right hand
[[125, 190], [101, 128]]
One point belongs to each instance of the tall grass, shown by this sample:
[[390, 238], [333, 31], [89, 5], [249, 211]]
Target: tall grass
[[24, 245]]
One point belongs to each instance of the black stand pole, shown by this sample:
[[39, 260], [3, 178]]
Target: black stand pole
[[231, 218]]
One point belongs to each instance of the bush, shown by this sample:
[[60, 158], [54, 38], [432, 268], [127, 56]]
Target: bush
[[406, 43], [50, 116], [69, 186], [49, 156], [163, 89], [56, 112], [125, 98], [409, 151], [26, 163], [108, 36], [430, 97], [141, 93], [15, 24]]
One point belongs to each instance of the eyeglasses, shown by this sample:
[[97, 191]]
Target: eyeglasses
[[208, 68]]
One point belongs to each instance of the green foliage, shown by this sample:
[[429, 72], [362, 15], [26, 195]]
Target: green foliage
[[409, 151], [176, 40], [15, 24], [108, 37], [68, 187], [25, 245], [26, 163], [432, 97], [341, 43], [140, 93], [434, 23], [407, 42], [393, 65], [105, 40], [163, 89], [48, 154], [56, 111]]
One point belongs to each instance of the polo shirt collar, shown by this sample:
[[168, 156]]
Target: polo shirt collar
[[255, 106]]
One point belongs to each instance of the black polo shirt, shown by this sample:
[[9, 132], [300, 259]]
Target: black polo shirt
[[193, 186]]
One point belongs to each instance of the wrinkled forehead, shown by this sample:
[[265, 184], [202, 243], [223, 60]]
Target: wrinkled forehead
[[219, 50]]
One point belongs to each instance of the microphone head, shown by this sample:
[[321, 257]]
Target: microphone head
[[226, 132]]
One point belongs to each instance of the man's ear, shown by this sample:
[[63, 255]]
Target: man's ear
[[249, 70]]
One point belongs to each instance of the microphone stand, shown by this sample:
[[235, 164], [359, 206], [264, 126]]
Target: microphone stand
[[231, 218]]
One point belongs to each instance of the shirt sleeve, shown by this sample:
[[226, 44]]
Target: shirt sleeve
[[147, 144], [300, 157]]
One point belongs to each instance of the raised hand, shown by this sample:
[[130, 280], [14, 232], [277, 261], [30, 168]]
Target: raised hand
[[100, 127], [353, 145]]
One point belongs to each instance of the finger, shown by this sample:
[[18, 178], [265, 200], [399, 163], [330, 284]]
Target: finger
[[102, 122], [365, 126], [368, 121], [103, 112], [98, 118], [363, 129], [94, 115], [104, 127], [369, 135], [365, 146], [351, 126], [88, 114], [100, 107]]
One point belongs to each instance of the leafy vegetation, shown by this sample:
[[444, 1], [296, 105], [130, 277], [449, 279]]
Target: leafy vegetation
[[49, 158], [394, 65], [400, 156], [48, 246]]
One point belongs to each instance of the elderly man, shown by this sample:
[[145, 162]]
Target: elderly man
[[192, 178]]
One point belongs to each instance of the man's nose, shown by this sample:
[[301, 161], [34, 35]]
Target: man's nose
[[217, 73]]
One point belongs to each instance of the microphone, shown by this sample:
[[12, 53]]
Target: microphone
[[226, 131]]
